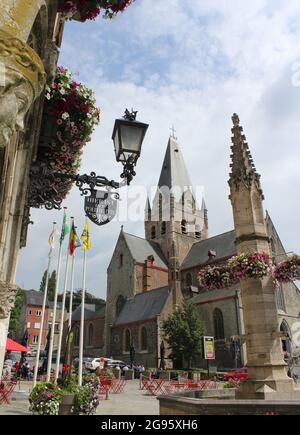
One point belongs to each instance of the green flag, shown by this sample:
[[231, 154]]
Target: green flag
[[65, 228]]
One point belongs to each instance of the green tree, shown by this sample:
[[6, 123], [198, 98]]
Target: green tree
[[15, 315], [184, 331], [51, 286], [43, 282]]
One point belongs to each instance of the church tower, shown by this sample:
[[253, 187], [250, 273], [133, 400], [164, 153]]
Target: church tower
[[175, 221]]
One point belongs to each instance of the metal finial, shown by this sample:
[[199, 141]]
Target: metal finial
[[130, 116]]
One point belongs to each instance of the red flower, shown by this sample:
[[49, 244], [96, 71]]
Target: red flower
[[84, 108]]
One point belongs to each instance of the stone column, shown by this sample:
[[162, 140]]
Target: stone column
[[22, 74], [22, 79], [267, 369], [7, 300]]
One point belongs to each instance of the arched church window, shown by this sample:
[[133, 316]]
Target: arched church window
[[286, 341], [189, 280], [219, 324], [160, 199], [184, 226], [90, 335], [273, 246], [197, 232], [280, 298], [120, 304], [127, 340], [163, 228], [144, 339], [153, 233]]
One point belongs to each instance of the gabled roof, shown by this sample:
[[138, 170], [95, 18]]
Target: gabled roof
[[143, 306], [141, 249], [174, 171], [222, 244]]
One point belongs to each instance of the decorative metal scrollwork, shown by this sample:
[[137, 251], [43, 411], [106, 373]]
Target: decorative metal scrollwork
[[46, 190]]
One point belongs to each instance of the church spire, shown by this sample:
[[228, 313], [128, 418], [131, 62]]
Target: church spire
[[243, 171], [174, 173]]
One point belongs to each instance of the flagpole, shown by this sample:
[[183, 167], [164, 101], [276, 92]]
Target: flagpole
[[37, 359], [86, 244], [54, 312], [81, 342], [61, 327], [71, 291]]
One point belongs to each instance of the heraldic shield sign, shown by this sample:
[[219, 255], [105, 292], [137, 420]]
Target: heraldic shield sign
[[101, 206]]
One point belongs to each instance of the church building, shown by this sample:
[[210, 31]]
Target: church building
[[148, 277]]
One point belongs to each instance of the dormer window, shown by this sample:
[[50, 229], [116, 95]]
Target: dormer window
[[184, 227], [153, 233], [163, 228], [197, 232]]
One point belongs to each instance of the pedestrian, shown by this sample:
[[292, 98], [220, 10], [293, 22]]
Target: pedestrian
[[17, 368]]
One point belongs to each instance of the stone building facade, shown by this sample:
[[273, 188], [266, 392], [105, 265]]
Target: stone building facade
[[30, 37], [148, 277], [94, 321]]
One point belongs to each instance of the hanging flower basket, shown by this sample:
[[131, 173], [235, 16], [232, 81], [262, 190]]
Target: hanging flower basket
[[216, 277], [288, 270], [69, 118], [254, 265], [83, 10]]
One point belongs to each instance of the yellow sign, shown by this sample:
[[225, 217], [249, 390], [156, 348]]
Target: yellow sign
[[209, 348]]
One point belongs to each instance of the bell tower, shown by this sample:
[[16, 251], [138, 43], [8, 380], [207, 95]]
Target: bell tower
[[175, 221]]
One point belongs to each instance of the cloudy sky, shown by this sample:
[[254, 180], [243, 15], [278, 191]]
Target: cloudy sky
[[191, 63]]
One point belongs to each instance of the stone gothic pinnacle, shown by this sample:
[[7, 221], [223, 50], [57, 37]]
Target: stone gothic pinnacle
[[243, 171]]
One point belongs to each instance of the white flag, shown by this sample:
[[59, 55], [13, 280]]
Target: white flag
[[52, 240]]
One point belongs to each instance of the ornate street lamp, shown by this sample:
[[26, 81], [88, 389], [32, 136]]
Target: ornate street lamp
[[128, 136], [100, 206]]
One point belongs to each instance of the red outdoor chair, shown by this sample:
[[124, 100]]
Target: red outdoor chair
[[6, 389], [118, 386]]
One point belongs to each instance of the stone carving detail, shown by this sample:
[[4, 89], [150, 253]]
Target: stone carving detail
[[7, 298], [23, 76], [243, 171]]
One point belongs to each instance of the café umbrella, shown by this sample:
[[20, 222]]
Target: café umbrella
[[13, 346]]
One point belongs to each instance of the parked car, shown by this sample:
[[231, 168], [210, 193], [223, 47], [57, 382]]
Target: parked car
[[116, 363], [95, 363], [237, 375], [85, 360]]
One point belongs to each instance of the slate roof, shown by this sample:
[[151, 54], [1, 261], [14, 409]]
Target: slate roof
[[174, 171], [91, 311], [141, 249], [222, 244], [33, 297], [143, 306]]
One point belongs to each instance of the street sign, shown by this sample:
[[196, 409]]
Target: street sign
[[209, 348], [101, 206]]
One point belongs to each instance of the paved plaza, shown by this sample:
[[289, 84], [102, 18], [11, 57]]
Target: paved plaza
[[132, 402]]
